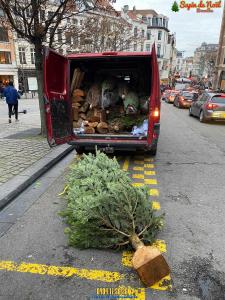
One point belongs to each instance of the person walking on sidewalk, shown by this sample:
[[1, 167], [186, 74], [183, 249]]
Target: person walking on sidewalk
[[12, 96]]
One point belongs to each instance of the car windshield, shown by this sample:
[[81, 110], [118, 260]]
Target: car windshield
[[219, 99]]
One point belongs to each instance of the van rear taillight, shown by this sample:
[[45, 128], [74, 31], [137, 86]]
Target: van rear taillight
[[156, 113]]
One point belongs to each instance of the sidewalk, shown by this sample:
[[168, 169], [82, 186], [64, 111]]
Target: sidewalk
[[24, 155]]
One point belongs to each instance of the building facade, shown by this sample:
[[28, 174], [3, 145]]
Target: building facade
[[150, 27], [219, 78], [8, 68], [204, 59]]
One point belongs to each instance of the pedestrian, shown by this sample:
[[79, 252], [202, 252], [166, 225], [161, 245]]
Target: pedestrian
[[12, 96]]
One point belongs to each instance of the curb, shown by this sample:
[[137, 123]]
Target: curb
[[16, 185]]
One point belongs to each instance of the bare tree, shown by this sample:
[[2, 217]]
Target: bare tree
[[107, 33], [37, 21]]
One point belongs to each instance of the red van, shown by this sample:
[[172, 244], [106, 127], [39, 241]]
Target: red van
[[58, 74]]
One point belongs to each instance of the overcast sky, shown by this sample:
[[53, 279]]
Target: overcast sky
[[191, 28]]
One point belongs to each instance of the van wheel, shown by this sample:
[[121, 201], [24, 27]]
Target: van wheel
[[153, 151], [201, 117], [79, 150]]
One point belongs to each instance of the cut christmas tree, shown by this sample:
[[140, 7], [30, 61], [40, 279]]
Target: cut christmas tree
[[105, 211]]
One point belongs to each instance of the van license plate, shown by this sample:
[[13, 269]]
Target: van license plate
[[108, 149]]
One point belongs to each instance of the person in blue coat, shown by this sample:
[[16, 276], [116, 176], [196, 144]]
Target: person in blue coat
[[12, 96]]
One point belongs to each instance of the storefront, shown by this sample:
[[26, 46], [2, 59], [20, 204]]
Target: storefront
[[8, 74]]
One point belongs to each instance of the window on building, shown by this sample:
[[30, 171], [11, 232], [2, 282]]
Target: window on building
[[42, 15], [135, 47], [32, 55], [68, 38], [29, 12], [50, 14], [60, 35], [148, 34], [75, 21], [158, 50], [81, 22], [143, 33], [159, 35], [142, 47], [51, 33], [135, 31], [149, 20], [160, 22], [3, 35], [5, 57], [148, 47], [144, 18], [164, 23], [22, 55], [128, 45]]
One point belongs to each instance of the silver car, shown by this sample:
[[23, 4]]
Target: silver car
[[208, 107]]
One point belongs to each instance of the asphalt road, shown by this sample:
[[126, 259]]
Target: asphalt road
[[190, 172]]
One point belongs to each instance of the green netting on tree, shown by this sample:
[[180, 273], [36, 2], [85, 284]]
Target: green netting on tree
[[104, 210]]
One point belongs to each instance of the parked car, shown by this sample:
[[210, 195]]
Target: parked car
[[209, 106], [171, 96], [184, 99], [165, 94]]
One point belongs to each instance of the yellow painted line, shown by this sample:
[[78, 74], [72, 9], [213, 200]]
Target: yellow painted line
[[138, 168], [149, 173], [163, 285], [128, 255], [148, 159], [126, 164], [153, 192], [149, 166], [138, 176], [156, 205], [150, 181], [139, 162], [122, 292], [99, 275], [137, 184]]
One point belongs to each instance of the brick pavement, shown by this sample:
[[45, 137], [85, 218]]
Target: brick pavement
[[20, 147]]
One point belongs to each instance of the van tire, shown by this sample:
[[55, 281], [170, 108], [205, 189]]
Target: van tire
[[153, 151], [79, 150]]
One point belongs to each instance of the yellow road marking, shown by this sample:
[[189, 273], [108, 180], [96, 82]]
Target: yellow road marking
[[23, 267], [156, 205], [153, 192], [137, 184], [149, 159], [138, 168], [122, 292], [139, 162], [128, 255], [150, 181], [138, 176], [126, 164], [163, 285], [149, 166], [149, 173]]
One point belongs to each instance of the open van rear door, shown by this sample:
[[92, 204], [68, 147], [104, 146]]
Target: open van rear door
[[154, 116], [56, 96]]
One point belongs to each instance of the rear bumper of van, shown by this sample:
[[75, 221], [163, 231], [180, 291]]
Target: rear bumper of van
[[112, 146]]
